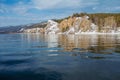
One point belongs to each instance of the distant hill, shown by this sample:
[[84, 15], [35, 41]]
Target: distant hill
[[18, 29], [10, 29]]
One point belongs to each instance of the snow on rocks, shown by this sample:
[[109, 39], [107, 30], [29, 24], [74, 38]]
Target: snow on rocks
[[52, 27]]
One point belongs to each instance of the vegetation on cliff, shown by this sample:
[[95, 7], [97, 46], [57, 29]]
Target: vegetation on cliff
[[80, 23], [104, 21]]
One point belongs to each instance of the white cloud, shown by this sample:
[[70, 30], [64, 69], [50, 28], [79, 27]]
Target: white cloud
[[3, 8], [52, 4], [106, 9], [22, 8], [18, 8], [117, 8], [112, 9], [17, 20], [94, 8], [1, 11]]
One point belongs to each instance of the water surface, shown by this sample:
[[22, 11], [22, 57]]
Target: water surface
[[59, 57]]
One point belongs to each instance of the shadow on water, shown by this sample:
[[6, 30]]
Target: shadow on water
[[40, 74]]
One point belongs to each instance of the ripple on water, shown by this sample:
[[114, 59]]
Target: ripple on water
[[12, 62], [79, 50], [35, 58], [53, 54], [39, 74], [13, 59]]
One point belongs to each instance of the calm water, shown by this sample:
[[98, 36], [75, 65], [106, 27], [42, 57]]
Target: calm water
[[59, 57]]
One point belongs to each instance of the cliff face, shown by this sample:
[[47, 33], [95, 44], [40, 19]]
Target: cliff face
[[52, 27], [71, 25], [66, 24], [108, 25], [77, 25], [34, 30]]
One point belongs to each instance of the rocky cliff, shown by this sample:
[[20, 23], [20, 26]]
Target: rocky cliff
[[52, 27], [79, 24]]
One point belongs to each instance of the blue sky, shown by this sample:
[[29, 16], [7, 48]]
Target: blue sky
[[17, 12]]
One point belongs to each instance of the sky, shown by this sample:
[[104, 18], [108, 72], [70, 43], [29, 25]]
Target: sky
[[19, 12]]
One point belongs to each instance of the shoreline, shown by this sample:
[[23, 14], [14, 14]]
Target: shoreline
[[87, 33], [84, 33]]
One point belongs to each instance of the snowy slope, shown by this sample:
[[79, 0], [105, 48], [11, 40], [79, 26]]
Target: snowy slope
[[52, 27]]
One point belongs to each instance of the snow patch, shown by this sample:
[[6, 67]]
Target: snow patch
[[52, 27]]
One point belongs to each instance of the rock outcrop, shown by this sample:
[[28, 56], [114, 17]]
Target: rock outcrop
[[76, 25], [52, 27], [34, 30]]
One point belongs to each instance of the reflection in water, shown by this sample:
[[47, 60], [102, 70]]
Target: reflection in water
[[48, 42], [70, 42], [91, 43], [117, 48], [32, 37], [59, 57], [105, 44], [52, 40]]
